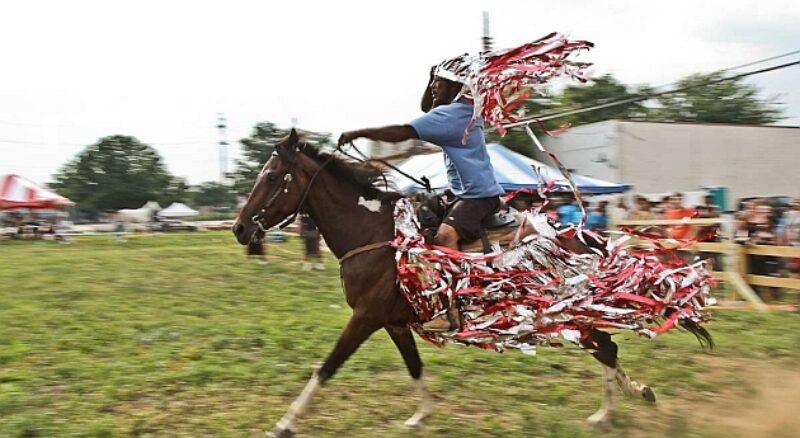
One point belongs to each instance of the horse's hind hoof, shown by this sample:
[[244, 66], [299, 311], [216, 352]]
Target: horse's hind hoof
[[600, 423], [648, 394], [280, 433]]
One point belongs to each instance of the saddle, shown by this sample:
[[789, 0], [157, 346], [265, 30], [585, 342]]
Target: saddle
[[432, 208]]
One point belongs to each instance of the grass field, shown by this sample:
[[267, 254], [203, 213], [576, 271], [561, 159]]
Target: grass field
[[181, 335]]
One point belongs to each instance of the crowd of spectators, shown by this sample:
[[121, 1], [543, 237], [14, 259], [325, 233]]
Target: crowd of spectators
[[756, 221]]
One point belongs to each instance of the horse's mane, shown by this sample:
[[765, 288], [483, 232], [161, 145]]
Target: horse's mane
[[364, 174]]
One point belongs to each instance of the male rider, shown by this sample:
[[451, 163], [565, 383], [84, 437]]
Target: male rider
[[469, 172]]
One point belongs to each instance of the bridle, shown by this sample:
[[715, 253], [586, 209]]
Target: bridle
[[288, 177]]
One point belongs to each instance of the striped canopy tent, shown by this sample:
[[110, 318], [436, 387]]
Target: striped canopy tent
[[19, 192], [513, 171]]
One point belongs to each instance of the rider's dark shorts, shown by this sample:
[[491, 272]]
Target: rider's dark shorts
[[467, 214]]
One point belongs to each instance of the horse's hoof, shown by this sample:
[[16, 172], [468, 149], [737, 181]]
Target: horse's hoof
[[416, 420], [648, 394], [600, 423], [280, 433]]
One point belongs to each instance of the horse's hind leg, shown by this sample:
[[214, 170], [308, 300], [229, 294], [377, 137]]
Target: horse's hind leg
[[632, 387], [404, 340], [356, 332], [613, 376]]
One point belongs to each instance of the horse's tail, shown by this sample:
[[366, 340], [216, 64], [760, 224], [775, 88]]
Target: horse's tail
[[700, 332]]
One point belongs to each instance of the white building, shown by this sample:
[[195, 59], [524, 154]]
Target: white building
[[670, 157]]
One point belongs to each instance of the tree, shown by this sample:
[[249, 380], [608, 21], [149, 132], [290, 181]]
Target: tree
[[177, 191], [257, 148], [214, 194], [517, 139], [604, 89], [117, 172], [732, 101]]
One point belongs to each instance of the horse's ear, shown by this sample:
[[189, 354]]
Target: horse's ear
[[293, 137]]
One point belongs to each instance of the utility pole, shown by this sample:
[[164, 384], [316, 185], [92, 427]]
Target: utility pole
[[222, 126], [486, 40]]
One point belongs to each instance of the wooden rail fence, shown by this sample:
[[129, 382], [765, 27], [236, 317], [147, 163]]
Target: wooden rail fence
[[734, 256]]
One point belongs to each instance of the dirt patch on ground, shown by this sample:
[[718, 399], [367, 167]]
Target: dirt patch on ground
[[742, 397]]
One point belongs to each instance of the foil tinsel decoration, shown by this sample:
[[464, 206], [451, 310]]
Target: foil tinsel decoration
[[537, 292]]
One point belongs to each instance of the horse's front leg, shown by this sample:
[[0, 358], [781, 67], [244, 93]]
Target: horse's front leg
[[404, 340], [357, 331]]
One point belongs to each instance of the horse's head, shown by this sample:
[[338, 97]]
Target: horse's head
[[277, 193]]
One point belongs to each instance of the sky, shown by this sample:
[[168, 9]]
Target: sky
[[74, 72]]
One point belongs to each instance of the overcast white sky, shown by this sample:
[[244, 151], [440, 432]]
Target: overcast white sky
[[74, 71]]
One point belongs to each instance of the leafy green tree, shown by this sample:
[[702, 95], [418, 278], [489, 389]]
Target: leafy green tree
[[732, 101], [603, 89], [257, 148], [517, 139], [177, 191], [116, 172], [214, 194]]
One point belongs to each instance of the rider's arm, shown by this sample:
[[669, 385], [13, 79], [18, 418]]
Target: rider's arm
[[427, 98], [391, 134]]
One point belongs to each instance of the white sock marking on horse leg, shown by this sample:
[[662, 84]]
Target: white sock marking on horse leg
[[298, 407], [628, 386], [425, 404], [373, 205], [602, 418]]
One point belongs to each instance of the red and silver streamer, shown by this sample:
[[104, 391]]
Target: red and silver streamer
[[500, 81], [540, 293]]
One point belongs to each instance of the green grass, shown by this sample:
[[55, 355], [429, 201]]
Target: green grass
[[181, 335]]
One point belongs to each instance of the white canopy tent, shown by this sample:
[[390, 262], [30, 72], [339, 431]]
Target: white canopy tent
[[177, 209]]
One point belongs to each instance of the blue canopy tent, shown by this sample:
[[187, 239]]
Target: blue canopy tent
[[512, 170]]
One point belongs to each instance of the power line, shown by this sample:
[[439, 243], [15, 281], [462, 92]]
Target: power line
[[761, 61], [648, 96], [109, 125], [150, 143]]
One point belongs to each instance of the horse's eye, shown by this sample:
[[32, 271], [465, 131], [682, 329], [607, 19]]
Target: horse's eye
[[272, 177]]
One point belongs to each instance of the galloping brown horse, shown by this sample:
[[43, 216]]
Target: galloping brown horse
[[356, 220]]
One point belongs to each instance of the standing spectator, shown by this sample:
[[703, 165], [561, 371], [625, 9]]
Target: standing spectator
[[597, 219], [620, 211], [674, 209], [257, 250], [311, 238], [708, 211], [569, 213], [641, 210], [762, 233], [790, 223]]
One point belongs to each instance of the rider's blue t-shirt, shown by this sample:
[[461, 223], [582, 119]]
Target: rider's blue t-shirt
[[469, 170]]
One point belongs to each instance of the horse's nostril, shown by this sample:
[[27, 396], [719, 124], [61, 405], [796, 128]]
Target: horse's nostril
[[238, 229]]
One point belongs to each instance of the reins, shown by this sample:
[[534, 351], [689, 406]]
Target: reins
[[288, 178]]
